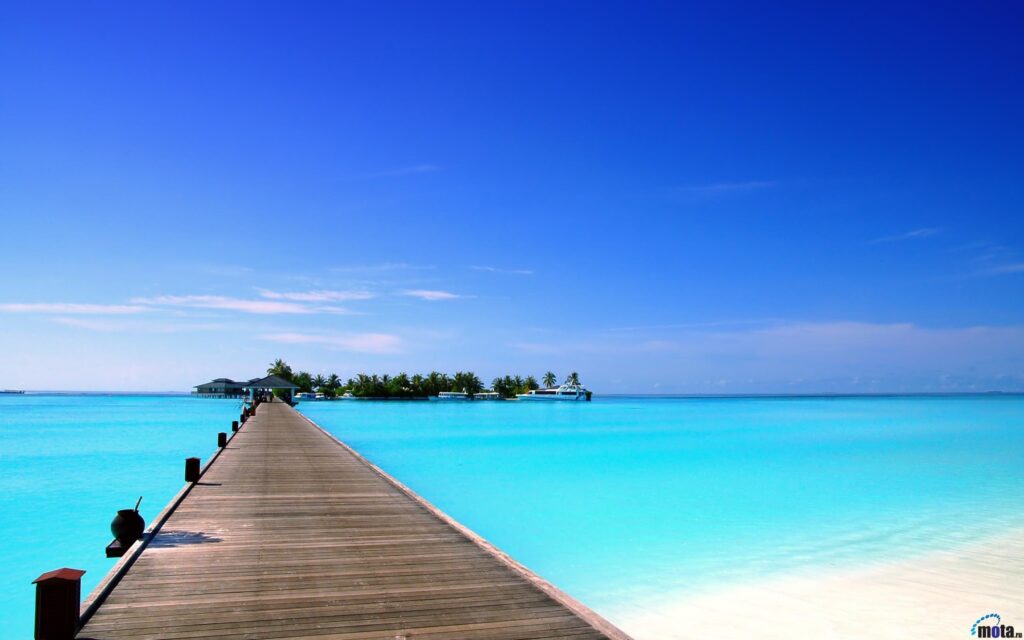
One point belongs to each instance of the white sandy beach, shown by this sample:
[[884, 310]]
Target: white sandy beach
[[939, 595]]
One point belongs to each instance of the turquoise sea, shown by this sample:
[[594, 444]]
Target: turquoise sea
[[615, 501], [69, 462]]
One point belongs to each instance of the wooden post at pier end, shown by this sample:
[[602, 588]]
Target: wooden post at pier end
[[222, 440], [191, 469], [58, 594]]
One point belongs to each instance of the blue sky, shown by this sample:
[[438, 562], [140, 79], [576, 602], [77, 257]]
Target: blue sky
[[664, 197]]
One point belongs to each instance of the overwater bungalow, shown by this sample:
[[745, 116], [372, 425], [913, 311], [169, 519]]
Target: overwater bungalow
[[275, 385], [222, 388]]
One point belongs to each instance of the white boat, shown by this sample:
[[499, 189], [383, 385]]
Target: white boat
[[564, 392], [453, 395], [487, 395], [347, 396], [319, 396], [305, 395]]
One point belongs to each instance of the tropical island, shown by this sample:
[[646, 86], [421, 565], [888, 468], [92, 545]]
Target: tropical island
[[400, 386]]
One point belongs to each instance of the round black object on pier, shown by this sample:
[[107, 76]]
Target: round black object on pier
[[191, 469], [127, 526], [222, 439]]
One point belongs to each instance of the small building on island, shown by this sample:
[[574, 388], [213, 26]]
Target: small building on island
[[228, 388], [271, 384], [222, 388]]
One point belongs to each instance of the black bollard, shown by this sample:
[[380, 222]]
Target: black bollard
[[222, 439], [234, 425], [58, 594], [191, 469]]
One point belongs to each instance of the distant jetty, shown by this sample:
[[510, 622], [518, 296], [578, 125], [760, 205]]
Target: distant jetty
[[12, 392]]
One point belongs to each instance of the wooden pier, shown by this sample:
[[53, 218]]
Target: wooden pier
[[290, 534]]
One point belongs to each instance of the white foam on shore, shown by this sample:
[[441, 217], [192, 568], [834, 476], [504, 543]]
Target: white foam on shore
[[938, 595]]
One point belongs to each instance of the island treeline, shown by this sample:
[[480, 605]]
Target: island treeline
[[402, 385]]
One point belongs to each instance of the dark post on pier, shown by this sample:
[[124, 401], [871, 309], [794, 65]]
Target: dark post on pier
[[58, 594], [191, 469], [292, 534]]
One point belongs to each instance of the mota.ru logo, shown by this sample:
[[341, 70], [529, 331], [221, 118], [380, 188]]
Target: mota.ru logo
[[991, 626]]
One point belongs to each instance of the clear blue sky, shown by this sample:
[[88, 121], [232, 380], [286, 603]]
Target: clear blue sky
[[665, 197]]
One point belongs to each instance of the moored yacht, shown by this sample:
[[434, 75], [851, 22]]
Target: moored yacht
[[453, 395], [564, 392]]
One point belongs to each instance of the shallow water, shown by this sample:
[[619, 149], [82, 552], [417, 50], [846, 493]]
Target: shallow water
[[618, 501], [70, 462], [623, 501]]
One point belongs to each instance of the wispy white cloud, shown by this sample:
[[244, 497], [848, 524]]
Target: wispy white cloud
[[518, 272], [383, 266], [834, 356], [226, 270], [1004, 269], [118, 326], [397, 172], [987, 259], [916, 234], [321, 295], [73, 308], [380, 343], [429, 294], [237, 304], [728, 187], [696, 325]]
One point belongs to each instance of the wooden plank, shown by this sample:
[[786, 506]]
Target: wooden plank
[[292, 534]]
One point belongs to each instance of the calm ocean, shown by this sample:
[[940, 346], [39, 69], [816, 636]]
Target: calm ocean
[[69, 462], [616, 501]]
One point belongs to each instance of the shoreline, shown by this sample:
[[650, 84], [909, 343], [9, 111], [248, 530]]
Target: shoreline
[[939, 594]]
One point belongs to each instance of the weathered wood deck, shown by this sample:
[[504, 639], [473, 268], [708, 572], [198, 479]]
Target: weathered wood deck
[[290, 534]]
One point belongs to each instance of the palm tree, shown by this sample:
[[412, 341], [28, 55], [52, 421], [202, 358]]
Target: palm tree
[[399, 385], [320, 382], [281, 369], [304, 381], [550, 379], [574, 378], [433, 384], [363, 385]]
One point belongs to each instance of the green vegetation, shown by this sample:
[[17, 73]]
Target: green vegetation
[[404, 386]]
